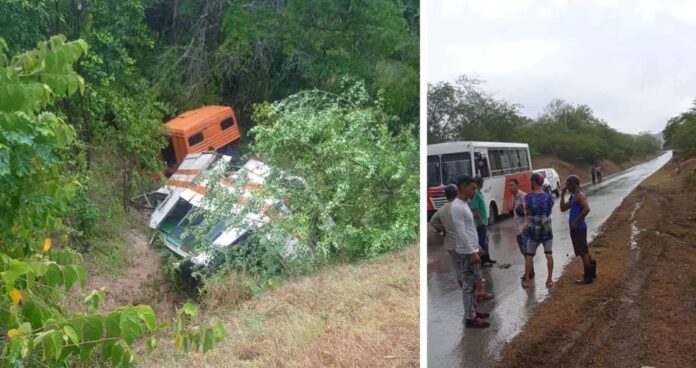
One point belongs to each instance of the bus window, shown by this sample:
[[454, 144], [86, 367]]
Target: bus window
[[195, 139], [505, 161], [496, 164], [514, 160], [434, 171], [455, 164], [482, 166], [226, 124], [524, 160]]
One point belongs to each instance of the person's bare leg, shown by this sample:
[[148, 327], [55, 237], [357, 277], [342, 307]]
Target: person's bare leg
[[587, 260], [549, 265], [527, 271]]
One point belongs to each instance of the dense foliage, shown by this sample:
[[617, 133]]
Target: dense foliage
[[244, 52], [463, 111], [38, 327], [680, 132], [343, 185]]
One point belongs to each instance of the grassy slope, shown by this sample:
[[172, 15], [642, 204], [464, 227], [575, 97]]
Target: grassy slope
[[365, 314]]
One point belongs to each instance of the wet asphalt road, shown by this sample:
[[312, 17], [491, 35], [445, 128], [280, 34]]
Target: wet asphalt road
[[449, 344]]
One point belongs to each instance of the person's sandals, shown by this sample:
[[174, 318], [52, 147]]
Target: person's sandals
[[476, 323], [483, 297], [549, 283], [526, 284]]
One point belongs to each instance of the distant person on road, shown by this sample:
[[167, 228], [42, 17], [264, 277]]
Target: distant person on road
[[539, 206], [480, 210], [442, 223], [467, 248], [579, 208], [519, 218], [594, 173], [599, 173]]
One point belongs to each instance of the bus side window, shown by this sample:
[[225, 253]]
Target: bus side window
[[226, 124], [195, 139], [496, 164], [505, 161], [524, 160]]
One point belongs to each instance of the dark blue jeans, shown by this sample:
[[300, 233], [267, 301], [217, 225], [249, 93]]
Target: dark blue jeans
[[482, 232]]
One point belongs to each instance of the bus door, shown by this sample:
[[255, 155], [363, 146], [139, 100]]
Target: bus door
[[481, 165]]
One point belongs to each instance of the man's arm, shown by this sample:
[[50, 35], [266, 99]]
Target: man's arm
[[582, 200], [462, 241], [564, 205], [436, 222]]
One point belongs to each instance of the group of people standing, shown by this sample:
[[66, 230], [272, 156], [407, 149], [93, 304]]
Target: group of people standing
[[463, 222]]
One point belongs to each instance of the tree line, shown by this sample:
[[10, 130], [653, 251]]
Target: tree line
[[463, 110], [680, 132]]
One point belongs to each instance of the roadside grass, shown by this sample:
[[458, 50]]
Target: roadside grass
[[106, 257], [362, 314]]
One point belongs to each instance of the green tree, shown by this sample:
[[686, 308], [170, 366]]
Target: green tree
[[249, 51], [680, 132], [37, 277], [350, 184], [463, 111]]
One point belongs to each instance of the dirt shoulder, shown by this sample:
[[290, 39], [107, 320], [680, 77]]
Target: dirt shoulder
[[641, 310], [583, 171], [141, 280], [364, 314]]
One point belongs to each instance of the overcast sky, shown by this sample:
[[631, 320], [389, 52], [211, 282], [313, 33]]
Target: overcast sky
[[632, 62]]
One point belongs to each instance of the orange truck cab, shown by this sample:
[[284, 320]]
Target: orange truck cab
[[208, 128]]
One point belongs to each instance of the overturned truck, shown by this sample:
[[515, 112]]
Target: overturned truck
[[176, 203]]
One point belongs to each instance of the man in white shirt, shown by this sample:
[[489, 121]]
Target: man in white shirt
[[442, 222], [467, 249]]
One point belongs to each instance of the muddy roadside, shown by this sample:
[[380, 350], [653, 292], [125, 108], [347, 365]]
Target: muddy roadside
[[641, 311]]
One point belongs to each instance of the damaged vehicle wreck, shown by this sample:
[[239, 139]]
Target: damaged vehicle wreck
[[211, 204]]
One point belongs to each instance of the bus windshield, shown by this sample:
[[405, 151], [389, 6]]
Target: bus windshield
[[455, 164], [434, 179]]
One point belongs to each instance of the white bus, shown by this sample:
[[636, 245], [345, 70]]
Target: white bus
[[496, 162]]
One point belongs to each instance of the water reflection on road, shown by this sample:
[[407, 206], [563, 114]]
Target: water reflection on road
[[449, 344]]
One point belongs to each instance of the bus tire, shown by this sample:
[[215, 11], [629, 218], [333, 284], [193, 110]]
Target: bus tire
[[492, 213], [557, 192]]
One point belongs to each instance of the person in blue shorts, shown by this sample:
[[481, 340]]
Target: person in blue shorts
[[539, 205], [579, 208]]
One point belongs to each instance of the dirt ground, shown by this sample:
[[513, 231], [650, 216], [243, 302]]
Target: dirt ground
[[358, 315], [641, 310], [565, 169], [141, 281]]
